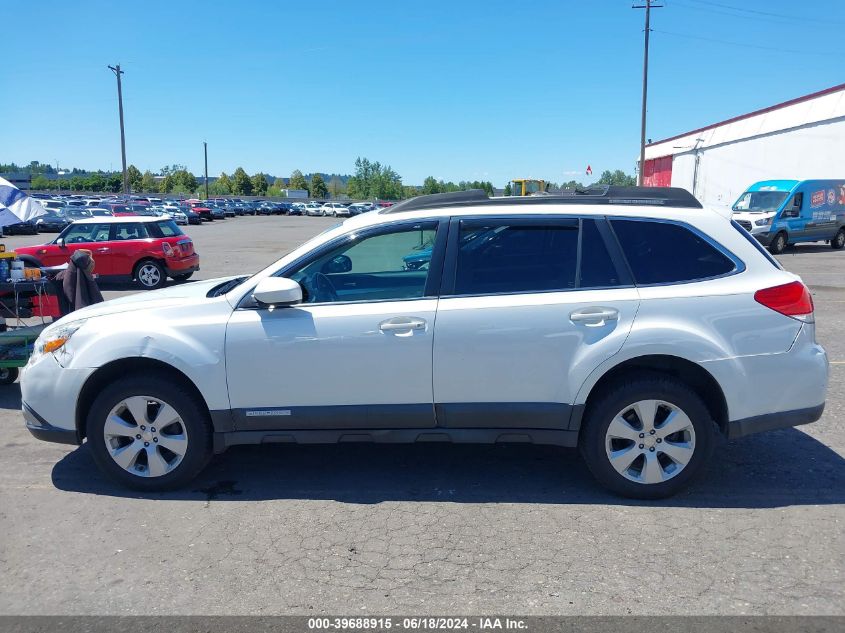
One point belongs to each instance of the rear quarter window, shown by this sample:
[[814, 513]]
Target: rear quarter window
[[663, 253], [165, 228]]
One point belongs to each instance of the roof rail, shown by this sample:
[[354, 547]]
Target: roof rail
[[432, 200], [601, 194]]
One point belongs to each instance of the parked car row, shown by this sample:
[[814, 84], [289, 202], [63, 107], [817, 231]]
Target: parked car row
[[65, 209], [338, 209]]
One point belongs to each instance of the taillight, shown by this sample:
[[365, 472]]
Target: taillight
[[792, 299]]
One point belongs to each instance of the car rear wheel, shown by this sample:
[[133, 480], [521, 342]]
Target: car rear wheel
[[149, 433], [838, 241], [647, 437], [778, 244], [150, 275]]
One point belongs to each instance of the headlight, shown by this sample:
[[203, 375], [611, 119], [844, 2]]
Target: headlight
[[763, 222], [54, 338]]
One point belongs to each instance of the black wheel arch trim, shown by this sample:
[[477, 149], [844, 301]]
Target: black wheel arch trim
[[43, 430], [773, 421]]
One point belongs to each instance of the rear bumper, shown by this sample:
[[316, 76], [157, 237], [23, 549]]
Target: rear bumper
[[181, 266], [772, 421], [43, 430]]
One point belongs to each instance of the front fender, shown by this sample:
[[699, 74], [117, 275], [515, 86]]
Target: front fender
[[194, 346]]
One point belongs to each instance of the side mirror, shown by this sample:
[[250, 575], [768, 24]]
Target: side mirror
[[339, 264], [277, 291], [60, 241]]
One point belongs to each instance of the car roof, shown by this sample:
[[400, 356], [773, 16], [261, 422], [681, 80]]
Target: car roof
[[126, 218], [639, 202]]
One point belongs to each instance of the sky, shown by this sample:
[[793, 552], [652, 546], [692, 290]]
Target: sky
[[459, 90]]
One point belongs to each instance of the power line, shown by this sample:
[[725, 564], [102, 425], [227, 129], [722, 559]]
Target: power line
[[745, 45], [732, 14], [800, 18]]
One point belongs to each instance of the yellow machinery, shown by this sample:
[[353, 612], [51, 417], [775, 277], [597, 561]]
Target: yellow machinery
[[527, 186]]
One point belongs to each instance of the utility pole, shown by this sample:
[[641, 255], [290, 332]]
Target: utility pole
[[116, 70], [205, 149], [648, 6]]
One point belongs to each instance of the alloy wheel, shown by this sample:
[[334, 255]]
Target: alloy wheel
[[149, 275], [650, 441], [145, 436]]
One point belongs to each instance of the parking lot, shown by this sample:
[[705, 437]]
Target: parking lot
[[428, 529]]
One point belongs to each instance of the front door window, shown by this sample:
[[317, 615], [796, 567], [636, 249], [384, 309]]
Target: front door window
[[83, 233], [386, 266]]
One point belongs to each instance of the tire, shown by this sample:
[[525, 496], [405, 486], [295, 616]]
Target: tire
[[29, 261], [184, 277], [838, 241], [778, 244], [626, 397], [151, 452], [8, 375], [150, 274]]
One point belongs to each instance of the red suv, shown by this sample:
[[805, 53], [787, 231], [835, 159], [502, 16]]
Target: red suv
[[146, 249]]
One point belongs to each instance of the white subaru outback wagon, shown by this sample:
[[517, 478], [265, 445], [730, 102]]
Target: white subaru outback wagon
[[631, 323]]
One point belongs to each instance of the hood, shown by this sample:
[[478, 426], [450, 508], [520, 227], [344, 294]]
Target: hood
[[182, 294], [752, 215]]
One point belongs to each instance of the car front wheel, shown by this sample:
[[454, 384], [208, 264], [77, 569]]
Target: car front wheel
[[8, 375], [149, 433], [647, 437], [778, 244], [150, 275], [838, 241]]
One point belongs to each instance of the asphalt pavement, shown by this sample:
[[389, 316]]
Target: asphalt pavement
[[429, 529]]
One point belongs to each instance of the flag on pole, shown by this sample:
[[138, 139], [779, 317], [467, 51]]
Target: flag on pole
[[16, 206], [589, 170]]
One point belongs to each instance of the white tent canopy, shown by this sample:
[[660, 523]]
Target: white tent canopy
[[16, 206]]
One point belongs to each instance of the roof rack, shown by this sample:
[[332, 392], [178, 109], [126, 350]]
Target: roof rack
[[470, 196], [602, 194]]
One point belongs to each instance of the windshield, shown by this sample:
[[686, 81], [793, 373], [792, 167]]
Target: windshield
[[760, 201]]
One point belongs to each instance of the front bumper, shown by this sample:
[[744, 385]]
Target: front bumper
[[764, 238], [772, 421], [43, 430]]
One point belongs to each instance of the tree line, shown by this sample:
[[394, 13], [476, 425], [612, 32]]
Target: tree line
[[371, 180]]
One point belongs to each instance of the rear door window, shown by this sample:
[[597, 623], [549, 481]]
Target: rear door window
[[664, 253], [538, 255], [511, 257], [596, 269]]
